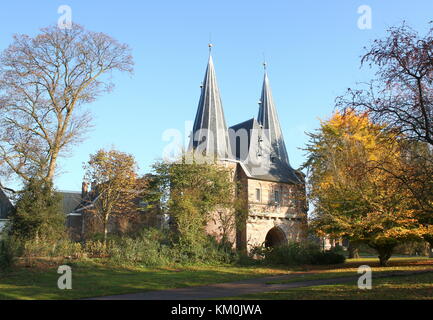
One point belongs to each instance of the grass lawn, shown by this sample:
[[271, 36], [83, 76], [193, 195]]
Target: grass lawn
[[403, 287], [416, 287], [350, 268], [91, 279]]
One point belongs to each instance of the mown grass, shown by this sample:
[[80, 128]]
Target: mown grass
[[414, 287], [93, 278], [350, 268]]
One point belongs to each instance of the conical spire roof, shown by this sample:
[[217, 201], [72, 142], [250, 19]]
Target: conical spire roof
[[268, 119], [209, 134]]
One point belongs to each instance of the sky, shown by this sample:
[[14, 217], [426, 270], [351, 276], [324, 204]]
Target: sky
[[312, 49]]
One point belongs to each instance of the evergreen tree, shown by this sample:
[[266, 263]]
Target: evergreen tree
[[38, 213]]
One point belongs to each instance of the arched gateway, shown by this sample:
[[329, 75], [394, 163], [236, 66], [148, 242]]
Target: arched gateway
[[275, 237]]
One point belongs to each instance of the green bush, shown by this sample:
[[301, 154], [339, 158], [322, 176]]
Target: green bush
[[210, 252], [9, 251], [295, 253], [147, 248], [96, 248], [326, 258], [67, 248]]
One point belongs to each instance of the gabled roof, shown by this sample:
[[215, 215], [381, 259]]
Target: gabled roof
[[209, 134], [71, 200], [254, 154]]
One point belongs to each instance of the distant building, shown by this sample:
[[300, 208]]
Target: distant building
[[82, 222], [273, 192], [6, 208]]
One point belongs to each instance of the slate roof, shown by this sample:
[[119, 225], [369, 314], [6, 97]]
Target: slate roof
[[268, 118], [256, 160], [209, 133], [71, 200], [6, 205]]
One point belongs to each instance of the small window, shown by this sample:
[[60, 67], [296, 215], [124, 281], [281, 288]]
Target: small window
[[277, 196], [258, 195]]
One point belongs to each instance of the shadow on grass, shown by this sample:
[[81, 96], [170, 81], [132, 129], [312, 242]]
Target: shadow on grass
[[92, 279]]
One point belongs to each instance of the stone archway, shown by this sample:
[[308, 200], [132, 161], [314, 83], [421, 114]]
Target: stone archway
[[275, 237]]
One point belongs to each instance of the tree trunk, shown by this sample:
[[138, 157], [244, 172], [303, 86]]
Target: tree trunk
[[384, 256], [52, 166], [105, 231], [353, 251]]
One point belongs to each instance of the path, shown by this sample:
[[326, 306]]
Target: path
[[239, 288]]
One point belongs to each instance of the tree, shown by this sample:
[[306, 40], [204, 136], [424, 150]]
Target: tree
[[354, 197], [38, 213], [401, 99], [44, 81], [401, 96], [115, 185], [192, 192]]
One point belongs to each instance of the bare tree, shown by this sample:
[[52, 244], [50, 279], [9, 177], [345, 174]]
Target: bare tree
[[44, 80], [401, 96]]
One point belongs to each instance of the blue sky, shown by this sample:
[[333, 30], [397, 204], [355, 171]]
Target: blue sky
[[312, 49]]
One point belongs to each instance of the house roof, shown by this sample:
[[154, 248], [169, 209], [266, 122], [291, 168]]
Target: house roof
[[6, 205], [71, 200], [255, 155]]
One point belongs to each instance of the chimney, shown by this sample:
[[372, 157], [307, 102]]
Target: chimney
[[84, 189], [93, 188]]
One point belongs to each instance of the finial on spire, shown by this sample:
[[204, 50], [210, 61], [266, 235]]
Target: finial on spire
[[265, 64], [210, 45]]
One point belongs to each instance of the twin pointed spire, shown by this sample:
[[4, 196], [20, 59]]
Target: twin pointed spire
[[210, 137], [210, 134]]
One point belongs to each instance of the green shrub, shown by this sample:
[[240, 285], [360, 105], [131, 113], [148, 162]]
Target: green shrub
[[148, 248], [67, 248], [210, 252], [96, 249], [326, 258], [295, 253], [9, 251]]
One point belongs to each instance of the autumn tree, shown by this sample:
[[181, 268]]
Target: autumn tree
[[400, 98], [116, 187], [191, 193], [353, 196], [45, 81]]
